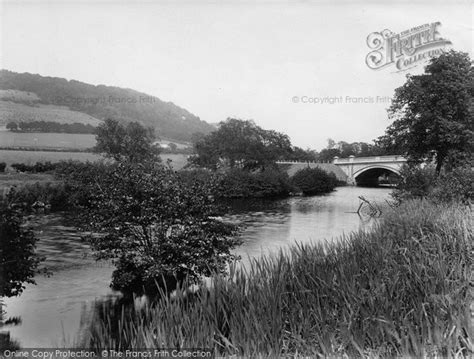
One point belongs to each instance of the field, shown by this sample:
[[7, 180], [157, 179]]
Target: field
[[46, 140], [31, 157], [13, 111], [178, 160]]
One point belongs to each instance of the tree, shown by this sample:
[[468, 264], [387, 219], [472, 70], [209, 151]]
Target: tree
[[328, 154], [18, 260], [431, 112], [238, 143], [331, 143], [12, 126], [172, 146], [299, 154], [132, 142], [156, 227]]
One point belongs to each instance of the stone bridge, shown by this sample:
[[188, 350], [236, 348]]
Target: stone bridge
[[354, 170]]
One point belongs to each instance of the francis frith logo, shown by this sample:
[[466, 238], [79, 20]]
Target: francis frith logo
[[406, 49]]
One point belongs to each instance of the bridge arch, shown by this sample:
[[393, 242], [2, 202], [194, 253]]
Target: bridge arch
[[369, 175], [384, 167]]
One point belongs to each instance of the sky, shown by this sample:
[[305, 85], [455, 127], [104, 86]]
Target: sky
[[295, 67]]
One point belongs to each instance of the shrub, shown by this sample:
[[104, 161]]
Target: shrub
[[157, 228], [239, 183], [454, 186], [56, 195], [199, 174], [18, 260], [400, 290], [3, 165], [416, 182], [312, 181], [38, 167]]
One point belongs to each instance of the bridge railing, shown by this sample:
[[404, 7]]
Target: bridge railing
[[303, 162], [353, 159]]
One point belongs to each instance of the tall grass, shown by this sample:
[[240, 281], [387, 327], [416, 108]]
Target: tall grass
[[401, 289]]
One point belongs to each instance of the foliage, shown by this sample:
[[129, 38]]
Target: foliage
[[55, 196], [400, 290], [312, 181], [449, 186], [432, 112], [454, 186], [132, 142], [12, 126], [242, 144], [238, 183], [38, 167], [3, 165], [299, 154], [202, 175], [415, 182], [18, 261], [344, 149], [51, 127], [157, 228]]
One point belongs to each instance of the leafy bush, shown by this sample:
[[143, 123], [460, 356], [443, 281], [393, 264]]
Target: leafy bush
[[454, 186], [416, 182], [18, 261], [402, 289], [314, 181], [3, 165], [198, 174], [55, 195], [157, 228], [38, 167], [238, 183]]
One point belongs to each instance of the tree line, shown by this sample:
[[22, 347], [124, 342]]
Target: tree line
[[51, 127]]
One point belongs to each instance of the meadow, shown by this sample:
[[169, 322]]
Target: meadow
[[12, 110], [46, 140], [31, 157], [401, 289]]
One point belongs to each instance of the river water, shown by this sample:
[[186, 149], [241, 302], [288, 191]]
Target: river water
[[51, 310]]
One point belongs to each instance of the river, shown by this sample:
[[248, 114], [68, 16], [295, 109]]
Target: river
[[51, 310]]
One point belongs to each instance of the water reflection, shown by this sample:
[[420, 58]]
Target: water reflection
[[301, 219]]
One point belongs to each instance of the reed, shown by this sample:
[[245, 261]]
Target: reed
[[401, 289]]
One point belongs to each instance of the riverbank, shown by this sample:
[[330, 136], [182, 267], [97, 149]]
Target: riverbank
[[401, 289]]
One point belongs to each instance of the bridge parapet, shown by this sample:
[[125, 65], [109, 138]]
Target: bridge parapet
[[371, 159]]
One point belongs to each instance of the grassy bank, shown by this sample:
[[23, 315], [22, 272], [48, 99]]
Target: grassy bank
[[402, 289]]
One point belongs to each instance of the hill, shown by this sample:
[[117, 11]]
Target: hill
[[27, 96]]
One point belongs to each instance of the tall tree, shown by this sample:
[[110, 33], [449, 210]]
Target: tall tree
[[431, 112], [239, 143], [132, 142]]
